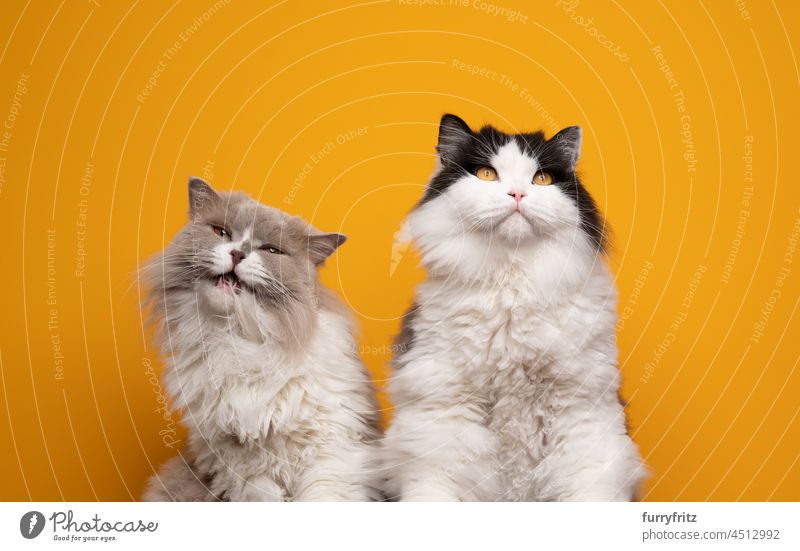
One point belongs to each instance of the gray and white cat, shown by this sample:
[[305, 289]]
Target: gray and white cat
[[260, 359], [506, 381]]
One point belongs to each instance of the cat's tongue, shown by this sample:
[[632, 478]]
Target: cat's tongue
[[228, 283]]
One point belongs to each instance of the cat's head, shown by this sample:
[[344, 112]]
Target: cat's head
[[235, 255], [506, 190]]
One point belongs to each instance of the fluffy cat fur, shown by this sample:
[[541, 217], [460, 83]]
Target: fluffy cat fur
[[260, 359], [506, 380]]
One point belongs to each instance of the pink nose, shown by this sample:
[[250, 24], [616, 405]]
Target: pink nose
[[518, 195], [237, 256]]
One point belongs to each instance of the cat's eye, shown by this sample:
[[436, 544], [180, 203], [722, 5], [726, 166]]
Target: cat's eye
[[542, 178], [486, 173], [222, 232], [271, 249]]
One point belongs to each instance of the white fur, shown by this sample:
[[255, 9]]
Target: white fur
[[509, 390], [268, 421], [271, 425]]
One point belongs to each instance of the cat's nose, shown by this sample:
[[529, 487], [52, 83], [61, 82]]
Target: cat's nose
[[237, 256], [518, 195]]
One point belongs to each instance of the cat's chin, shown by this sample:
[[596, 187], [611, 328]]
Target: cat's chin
[[514, 229], [219, 297]]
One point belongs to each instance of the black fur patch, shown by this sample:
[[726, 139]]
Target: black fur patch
[[405, 339]]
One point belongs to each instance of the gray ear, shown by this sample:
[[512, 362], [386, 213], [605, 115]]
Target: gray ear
[[453, 132], [201, 196], [322, 245], [569, 143]]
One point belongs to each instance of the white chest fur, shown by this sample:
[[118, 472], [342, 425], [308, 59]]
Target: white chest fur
[[508, 322], [271, 421], [512, 368]]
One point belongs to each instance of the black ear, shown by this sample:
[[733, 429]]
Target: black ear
[[453, 133], [322, 245], [201, 196], [568, 142]]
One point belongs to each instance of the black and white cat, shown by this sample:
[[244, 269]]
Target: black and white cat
[[506, 381], [260, 359]]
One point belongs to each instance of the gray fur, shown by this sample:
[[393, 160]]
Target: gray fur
[[260, 359]]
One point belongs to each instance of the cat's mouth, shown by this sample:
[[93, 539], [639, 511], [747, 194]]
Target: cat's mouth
[[229, 282]]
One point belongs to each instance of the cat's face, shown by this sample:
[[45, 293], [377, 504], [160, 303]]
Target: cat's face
[[234, 249], [512, 188]]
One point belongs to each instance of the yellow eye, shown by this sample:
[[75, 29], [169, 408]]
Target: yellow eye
[[486, 173], [542, 178]]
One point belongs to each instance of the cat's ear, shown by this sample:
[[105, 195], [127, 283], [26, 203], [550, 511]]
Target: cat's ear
[[453, 133], [322, 245], [568, 142], [201, 196]]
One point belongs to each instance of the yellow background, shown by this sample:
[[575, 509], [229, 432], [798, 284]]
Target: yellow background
[[329, 110]]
